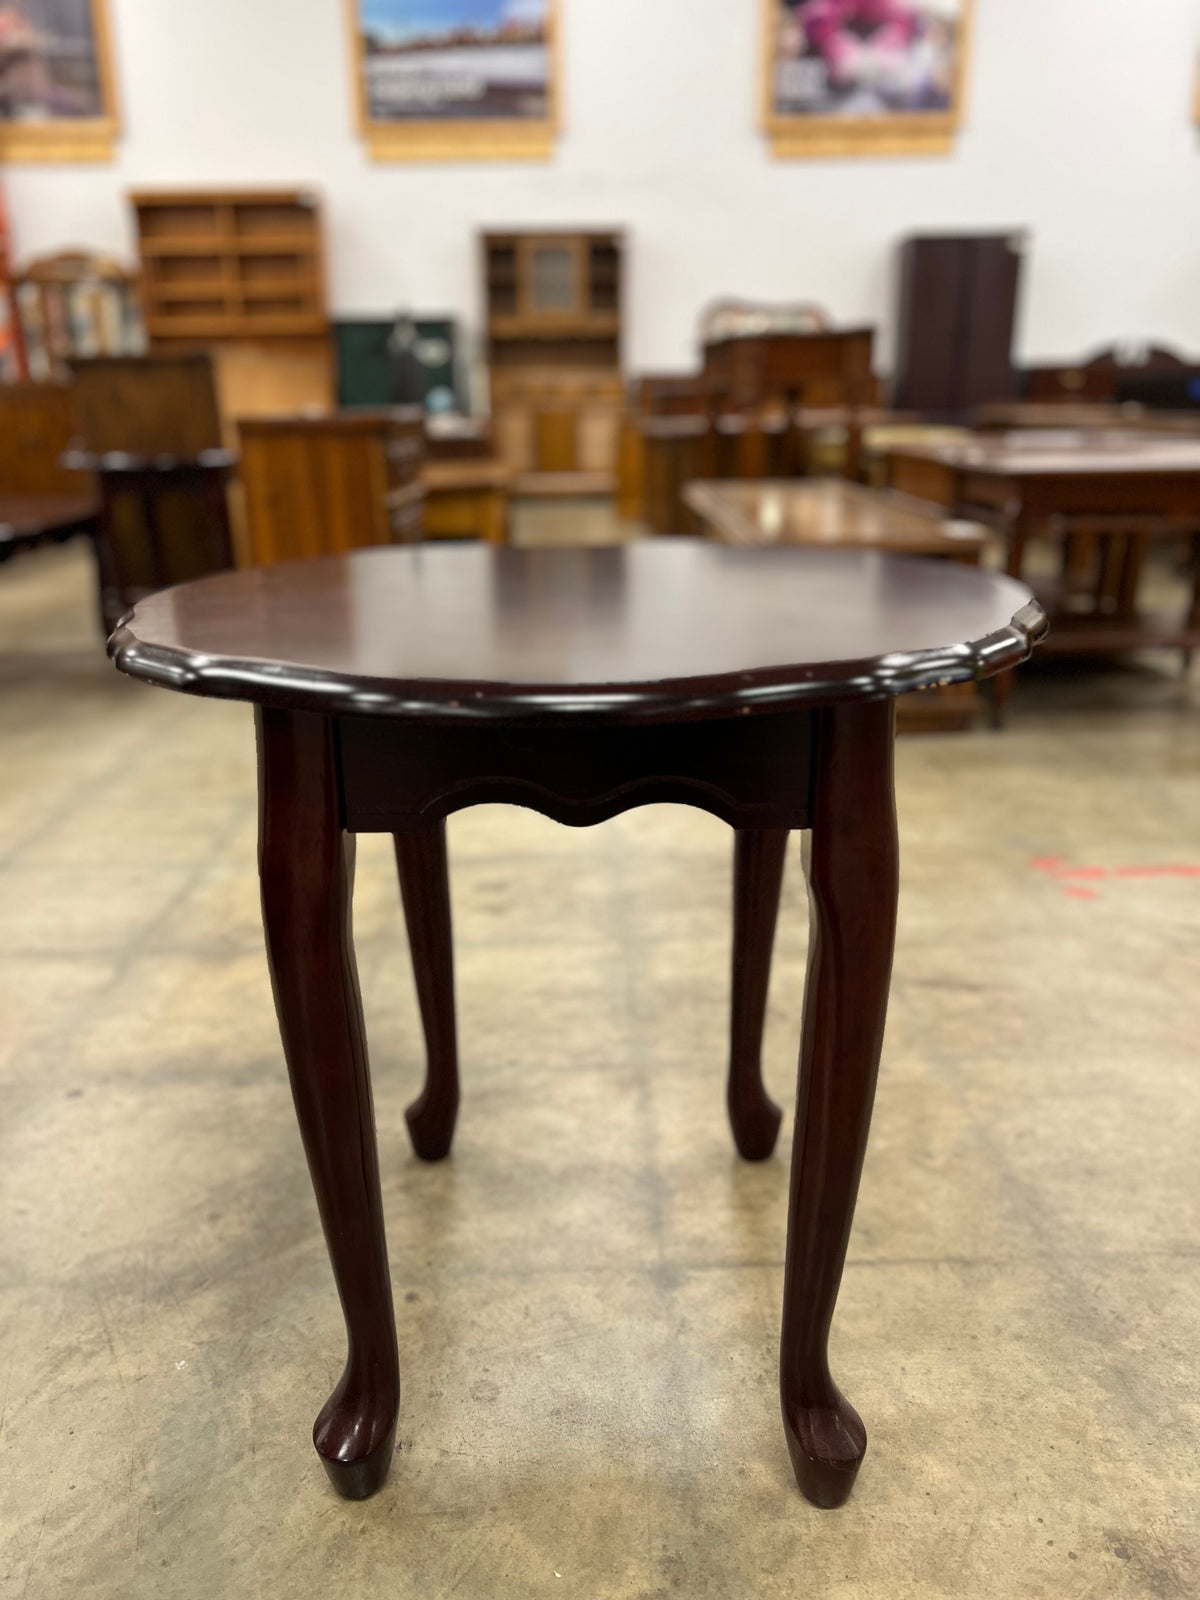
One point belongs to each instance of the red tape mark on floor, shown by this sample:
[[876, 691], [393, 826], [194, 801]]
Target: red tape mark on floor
[[1076, 881]]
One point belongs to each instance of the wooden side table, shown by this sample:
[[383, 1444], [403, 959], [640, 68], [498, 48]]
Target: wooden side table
[[395, 686], [829, 513]]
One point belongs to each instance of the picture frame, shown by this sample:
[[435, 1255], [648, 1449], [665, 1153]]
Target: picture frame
[[456, 80], [864, 77], [58, 99]]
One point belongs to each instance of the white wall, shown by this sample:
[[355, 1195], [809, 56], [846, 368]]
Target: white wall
[[1078, 127]]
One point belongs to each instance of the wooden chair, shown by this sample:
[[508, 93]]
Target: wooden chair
[[151, 432], [148, 405]]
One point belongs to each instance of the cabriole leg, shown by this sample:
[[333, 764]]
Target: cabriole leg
[[425, 890], [306, 864], [851, 860], [757, 879]]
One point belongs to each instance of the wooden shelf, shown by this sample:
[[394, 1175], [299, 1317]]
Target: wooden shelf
[[276, 244], [505, 327], [274, 288], [234, 325], [249, 264], [187, 289]]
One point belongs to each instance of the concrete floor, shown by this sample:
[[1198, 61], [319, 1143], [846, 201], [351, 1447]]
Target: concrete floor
[[588, 1293]]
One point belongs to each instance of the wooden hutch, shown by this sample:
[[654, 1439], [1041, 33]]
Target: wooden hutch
[[240, 273], [554, 355]]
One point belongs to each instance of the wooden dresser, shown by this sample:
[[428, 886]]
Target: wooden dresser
[[554, 354], [317, 485]]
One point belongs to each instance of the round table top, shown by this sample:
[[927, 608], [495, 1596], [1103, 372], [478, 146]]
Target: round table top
[[659, 629]]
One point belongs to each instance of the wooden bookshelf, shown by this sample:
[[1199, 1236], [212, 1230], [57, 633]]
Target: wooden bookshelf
[[230, 264], [76, 304], [554, 353], [240, 273]]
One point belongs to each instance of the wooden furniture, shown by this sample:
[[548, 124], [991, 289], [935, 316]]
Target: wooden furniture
[[222, 264], [75, 304], [661, 454], [829, 514], [38, 422], [1103, 376], [396, 686], [1104, 499], [30, 519], [466, 499], [673, 451], [317, 485], [827, 368], [554, 354], [454, 437], [162, 520], [240, 272], [956, 321], [149, 431], [676, 449], [14, 362], [764, 397], [147, 405], [40, 498]]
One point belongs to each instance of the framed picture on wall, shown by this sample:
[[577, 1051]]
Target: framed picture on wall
[[456, 80], [864, 77], [57, 94]]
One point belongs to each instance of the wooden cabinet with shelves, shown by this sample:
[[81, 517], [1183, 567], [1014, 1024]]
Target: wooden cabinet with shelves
[[241, 273], [231, 264], [554, 351]]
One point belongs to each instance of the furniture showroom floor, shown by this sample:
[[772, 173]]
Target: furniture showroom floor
[[588, 1291]]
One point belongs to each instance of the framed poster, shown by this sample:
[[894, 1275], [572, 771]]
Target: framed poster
[[471, 80], [57, 96], [864, 77]]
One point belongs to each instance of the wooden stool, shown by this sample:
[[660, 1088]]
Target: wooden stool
[[395, 686]]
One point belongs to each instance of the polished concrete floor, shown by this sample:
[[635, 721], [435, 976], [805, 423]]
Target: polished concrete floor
[[588, 1292]]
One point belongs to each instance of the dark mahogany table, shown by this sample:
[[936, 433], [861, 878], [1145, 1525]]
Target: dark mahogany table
[[394, 686]]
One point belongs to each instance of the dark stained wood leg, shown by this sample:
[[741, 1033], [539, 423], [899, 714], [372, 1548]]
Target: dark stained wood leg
[[1001, 693], [1021, 529], [425, 890], [851, 859], [306, 864], [757, 879], [1193, 616]]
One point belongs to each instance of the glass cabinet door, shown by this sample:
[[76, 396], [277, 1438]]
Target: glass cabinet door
[[552, 285]]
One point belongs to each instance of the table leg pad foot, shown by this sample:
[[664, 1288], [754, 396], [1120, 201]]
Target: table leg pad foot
[[827, 1445], [357, 1479], [755, 1128], [431, 1128]]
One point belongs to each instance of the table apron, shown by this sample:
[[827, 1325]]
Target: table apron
[[751, 772]]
